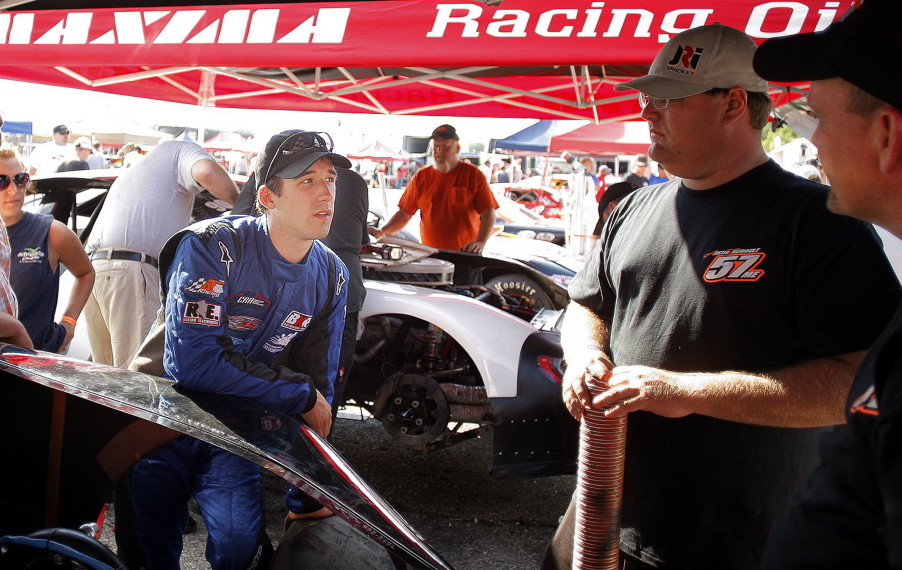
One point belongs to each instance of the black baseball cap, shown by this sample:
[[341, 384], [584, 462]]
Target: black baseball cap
[[61, 129], [614, 192], [860, 48], [292, 152], [445, 132]]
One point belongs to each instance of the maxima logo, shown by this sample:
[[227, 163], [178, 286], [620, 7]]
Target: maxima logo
[[174, 27]]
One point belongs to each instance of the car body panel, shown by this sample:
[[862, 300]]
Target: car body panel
[[90, 422], [466, 320]]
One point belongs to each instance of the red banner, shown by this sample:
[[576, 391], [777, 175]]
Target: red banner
[[389, 33]]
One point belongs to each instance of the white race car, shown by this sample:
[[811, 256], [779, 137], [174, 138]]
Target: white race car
[[451, 345]]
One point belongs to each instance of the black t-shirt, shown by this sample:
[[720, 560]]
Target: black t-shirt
[[636, 180], [849, 515], [754, 275]]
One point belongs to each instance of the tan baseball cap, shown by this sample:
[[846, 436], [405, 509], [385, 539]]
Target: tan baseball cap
[[698, 60]]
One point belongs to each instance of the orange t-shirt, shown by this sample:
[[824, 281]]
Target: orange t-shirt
[[449, 204]]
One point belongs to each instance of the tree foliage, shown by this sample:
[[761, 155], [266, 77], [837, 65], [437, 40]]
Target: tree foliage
[[769, 136]]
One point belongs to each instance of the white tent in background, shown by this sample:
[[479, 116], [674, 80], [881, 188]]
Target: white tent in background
[[378, 151]]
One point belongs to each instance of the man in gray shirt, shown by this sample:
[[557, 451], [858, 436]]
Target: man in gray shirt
[[145, 206]]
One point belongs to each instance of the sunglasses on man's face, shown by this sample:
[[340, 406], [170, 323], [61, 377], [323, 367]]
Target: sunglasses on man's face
[[21, 180]]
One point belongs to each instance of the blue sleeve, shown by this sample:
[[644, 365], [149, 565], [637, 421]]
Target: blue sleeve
[[198, 352]]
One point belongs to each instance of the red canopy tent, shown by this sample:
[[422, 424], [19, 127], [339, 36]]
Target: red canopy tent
[[516, 58], [605, 139]]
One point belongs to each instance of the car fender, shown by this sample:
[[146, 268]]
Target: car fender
[[492, 338]]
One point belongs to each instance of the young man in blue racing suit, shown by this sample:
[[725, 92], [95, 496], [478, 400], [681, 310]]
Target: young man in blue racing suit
[[238, 291]]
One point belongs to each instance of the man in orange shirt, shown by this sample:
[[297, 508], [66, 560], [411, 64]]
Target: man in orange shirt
[[457, 208]]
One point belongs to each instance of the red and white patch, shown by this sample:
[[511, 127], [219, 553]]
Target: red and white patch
[[211, 287], [734, 265], [243, 323], [296, 321]]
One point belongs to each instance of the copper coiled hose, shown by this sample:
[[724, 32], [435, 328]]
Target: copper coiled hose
[[599, 489]]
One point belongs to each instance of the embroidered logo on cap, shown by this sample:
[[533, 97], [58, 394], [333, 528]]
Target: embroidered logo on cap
[[685, 60]]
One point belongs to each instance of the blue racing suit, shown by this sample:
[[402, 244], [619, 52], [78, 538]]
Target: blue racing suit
[[232, 305]]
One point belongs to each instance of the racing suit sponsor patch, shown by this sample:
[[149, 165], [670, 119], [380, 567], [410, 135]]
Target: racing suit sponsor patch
[[212, 287], [279, 342], [296, 321], [243, 322], [202, 313], [249, 299]]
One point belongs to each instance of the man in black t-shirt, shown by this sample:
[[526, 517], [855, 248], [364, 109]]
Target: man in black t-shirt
[[849, 514], [725, 312], [639, 177]]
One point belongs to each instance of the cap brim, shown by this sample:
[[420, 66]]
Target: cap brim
[[662, 87], [795, 58], [302, 164]]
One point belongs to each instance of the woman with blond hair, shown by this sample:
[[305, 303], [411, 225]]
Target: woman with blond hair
[[38, 245]]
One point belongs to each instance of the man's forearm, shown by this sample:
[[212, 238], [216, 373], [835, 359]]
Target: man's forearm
[[486, 225], [583, 333], [808, 394]]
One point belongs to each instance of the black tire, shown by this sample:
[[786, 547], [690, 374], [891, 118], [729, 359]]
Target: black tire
[[521, 288], [328, 544]]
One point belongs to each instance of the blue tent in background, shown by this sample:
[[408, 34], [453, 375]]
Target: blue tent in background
[[17, 127], [536, 138]]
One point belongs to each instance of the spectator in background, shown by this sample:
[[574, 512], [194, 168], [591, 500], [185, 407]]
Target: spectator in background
[[596, 186], [609, 201], [504, 173], [639, 177], [606, 173], [145, 205], [811, 170], [39, 245], [11, 330], [661, 176], [456, 204], [486, 169], [83, 151], [133, 156], [46, 157], [97, 159]]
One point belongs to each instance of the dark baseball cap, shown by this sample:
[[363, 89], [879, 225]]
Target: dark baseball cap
[[860, 48], [445, 132], [292, 152], [614, 192], [61, 129]]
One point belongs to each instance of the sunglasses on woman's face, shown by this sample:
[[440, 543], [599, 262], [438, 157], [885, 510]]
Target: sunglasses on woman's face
[[20, 180]]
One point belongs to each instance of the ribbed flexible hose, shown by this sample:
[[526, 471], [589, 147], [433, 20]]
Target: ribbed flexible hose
[[599, 489]]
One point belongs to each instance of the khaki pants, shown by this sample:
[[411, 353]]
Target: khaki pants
[[121, 309]]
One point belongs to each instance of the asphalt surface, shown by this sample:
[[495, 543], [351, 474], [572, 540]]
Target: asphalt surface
[[471, 519]]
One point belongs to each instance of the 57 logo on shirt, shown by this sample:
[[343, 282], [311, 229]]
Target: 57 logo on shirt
[[202, 313], [734, 265]]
